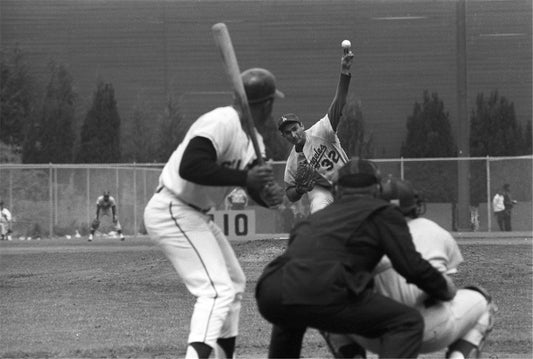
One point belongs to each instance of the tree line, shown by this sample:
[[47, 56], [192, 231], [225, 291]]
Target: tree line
[[39, 124]]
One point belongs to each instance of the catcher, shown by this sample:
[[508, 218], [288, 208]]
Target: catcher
[[104, 205], [317, 153], [460, 325]]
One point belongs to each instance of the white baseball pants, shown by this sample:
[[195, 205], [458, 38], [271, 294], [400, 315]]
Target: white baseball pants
[[465, 316], [205, 261], [319, 197]]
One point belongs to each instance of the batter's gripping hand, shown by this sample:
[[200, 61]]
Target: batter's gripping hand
[[305, 177], [272, 194], [258, 177]]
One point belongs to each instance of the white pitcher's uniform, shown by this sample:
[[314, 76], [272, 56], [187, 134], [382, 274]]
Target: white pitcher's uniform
[[176, 219], [322, 149], [465, 316]]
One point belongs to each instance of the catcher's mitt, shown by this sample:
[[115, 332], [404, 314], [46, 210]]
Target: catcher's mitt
[[305, 178]]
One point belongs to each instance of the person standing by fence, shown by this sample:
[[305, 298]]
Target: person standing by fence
[[509, 203], [499, 210], [5, 222]]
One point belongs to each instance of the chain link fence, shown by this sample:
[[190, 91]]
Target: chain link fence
[[60, 200]]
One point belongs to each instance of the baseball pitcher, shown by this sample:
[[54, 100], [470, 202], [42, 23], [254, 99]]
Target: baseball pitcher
[[317, 153]]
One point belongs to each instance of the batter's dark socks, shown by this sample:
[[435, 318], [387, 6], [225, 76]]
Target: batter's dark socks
[[228, 345], [462, 346], [203, 350]]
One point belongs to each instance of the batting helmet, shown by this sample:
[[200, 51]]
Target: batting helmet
[[403, 194], [260, 85], [358, 173]]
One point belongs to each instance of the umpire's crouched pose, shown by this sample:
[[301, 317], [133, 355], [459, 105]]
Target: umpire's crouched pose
[[324, 280]]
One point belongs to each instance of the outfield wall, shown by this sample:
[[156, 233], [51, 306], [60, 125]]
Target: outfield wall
[[60, 199]]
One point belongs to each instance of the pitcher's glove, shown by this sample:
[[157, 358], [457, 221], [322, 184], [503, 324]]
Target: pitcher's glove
[[305, 177], [272, 194]]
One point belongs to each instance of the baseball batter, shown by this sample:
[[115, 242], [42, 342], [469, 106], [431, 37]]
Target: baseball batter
[[317, 147], [461, 324], [106, 207], [216, 153]]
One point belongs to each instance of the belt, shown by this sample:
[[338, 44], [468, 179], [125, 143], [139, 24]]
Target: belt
[[161, 188]]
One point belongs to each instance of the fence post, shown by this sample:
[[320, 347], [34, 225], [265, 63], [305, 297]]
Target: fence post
[[134, 198], [51, 200], [489, 199], [88, 183], [401, 169]]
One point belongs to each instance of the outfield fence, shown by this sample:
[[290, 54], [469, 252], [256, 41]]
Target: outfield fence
[[59, 199]]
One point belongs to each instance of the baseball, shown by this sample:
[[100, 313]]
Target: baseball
[[346, 44]]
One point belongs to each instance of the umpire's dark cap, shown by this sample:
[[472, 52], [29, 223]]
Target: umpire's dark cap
[[358, 173], [260, 85], [286, 119]]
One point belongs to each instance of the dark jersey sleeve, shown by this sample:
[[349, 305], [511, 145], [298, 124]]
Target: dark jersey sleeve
[[339, 100], [398, 245], [199, 165]]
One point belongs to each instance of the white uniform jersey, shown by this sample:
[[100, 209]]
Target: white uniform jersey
[[441, 250], [234, 149], [5, 215], [322, 150], [105, 206]]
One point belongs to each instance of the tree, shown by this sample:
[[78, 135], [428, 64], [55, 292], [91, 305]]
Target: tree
[[352, 131], [429, 134], [494, 130], [172, 129], [17, 94], [139, 143], [100, 133], [51, 136]]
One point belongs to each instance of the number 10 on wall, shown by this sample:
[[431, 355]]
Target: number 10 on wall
[[236, 224]]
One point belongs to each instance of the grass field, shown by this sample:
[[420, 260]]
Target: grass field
[[112, 299]]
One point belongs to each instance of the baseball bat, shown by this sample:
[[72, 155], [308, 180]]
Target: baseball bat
[[225, 46]]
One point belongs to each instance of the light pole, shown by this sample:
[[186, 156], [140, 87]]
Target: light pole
[[463, 127]]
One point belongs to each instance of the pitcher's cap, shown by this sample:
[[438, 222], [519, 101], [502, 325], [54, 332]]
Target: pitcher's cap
[[358, 173], [286, 119], [260, 85]]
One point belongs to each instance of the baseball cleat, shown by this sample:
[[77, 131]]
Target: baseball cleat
[[90, 238], [122, 238]]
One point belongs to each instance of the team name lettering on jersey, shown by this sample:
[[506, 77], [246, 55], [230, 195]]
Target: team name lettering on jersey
[[324, 160]]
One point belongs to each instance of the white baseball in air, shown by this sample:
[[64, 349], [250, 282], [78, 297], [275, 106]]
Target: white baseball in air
[[346, 44]]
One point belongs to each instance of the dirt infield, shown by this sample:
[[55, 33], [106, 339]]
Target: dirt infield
[[70, 298]]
